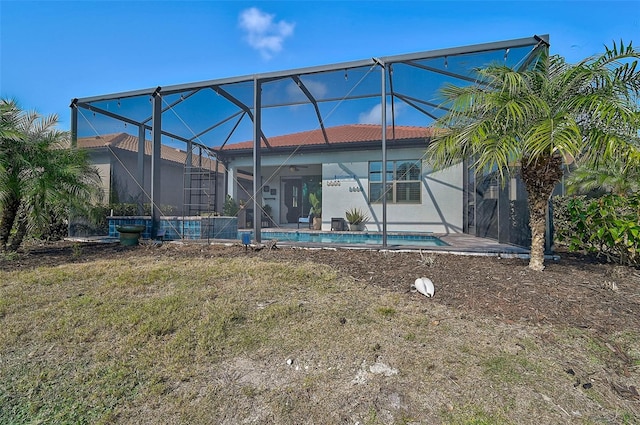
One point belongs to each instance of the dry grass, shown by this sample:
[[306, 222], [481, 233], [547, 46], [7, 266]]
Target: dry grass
[[246, 340]]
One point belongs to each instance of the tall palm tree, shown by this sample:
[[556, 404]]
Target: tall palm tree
[[43, 177], [532, 120]]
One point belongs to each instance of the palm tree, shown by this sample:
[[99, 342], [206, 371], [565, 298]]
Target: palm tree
[[10, 161], [532, 120], [614, 177], [43, 177]]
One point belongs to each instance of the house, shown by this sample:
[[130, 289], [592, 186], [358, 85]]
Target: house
[[273, 138], [187, 189], [344, 165]]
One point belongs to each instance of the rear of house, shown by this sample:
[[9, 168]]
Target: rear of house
[[347, 173]]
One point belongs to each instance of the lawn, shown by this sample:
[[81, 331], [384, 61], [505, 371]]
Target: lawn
[[206, 334]]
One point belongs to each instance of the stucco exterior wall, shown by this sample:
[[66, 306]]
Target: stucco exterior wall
[[345, 184], [118, 174], [102, 162]]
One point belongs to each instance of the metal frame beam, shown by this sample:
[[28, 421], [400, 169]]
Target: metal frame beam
[[92, 108], [138, 124], [142, 136], [393, 105], [476, 48], [156, 144], [307, 93], [383, 139], [174, 103], [409, 101], [242, 106], [257, 166], [218, 124], [443, 72]]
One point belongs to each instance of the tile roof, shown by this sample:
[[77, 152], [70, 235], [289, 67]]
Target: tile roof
[[339, 135], [129, 143]]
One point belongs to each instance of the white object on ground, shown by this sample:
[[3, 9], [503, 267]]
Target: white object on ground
[[424, 286]]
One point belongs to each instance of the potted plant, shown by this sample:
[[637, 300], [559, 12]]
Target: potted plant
[[130, 233], [315, 199], [267, 218], [357, 219]]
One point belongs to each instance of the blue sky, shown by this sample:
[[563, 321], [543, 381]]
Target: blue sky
[[53, 51]]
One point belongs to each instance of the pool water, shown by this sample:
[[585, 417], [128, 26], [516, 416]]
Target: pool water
[[364, 238]]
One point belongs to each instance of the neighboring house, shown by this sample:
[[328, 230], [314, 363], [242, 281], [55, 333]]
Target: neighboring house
[[346, 168], [186, 190]]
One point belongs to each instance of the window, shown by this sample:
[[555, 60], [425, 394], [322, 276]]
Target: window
[[403, 182]]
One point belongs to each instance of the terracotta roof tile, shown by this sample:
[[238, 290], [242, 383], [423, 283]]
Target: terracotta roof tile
[[337, 135], [130, 143]]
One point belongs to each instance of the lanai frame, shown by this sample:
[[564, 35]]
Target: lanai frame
[[247, 95]]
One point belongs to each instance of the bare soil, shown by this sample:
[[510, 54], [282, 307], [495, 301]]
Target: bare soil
[[575, 290]]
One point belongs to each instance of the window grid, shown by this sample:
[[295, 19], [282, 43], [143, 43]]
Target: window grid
[[403, 182]]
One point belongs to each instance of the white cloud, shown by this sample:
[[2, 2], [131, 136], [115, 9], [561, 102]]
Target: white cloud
[[374, 116], [263, 33]]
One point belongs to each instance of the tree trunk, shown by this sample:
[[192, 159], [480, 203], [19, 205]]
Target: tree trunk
[[21, 232], [7, 220], [537, 223], [539, 177]]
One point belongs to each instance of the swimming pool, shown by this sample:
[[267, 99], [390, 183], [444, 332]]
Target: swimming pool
[[348, 238]]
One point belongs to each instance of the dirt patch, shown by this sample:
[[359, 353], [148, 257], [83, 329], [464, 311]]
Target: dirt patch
[[573, 291]]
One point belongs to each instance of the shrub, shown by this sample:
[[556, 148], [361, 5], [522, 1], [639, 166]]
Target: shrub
[[230, 208], [356, 216], [608, 226]]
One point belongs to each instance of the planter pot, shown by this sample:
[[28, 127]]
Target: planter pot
[[317, 223], [130, 234], [356, 227]]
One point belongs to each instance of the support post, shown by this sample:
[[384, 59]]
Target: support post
[[383, 139], [216, 165], [230, 183], [257, 165], [156, 131], [140, 169], [74, 144], [74, 123], [188, 174]]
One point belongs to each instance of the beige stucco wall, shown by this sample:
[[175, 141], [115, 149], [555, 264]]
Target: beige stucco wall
[[346, 185], [119, 171]]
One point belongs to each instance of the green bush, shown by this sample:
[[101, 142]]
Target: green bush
[[608, 226], [230, 208]]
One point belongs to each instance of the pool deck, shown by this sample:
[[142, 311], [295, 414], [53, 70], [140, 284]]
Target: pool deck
[[457, 243]]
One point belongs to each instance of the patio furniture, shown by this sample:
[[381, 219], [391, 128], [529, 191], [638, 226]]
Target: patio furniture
[[337, 224], [306, 220]]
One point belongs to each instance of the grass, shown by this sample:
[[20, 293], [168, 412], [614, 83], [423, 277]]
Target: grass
[[232, 340]]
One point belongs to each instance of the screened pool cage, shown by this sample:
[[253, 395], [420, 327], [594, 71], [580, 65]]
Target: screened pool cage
[[225, 148]]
